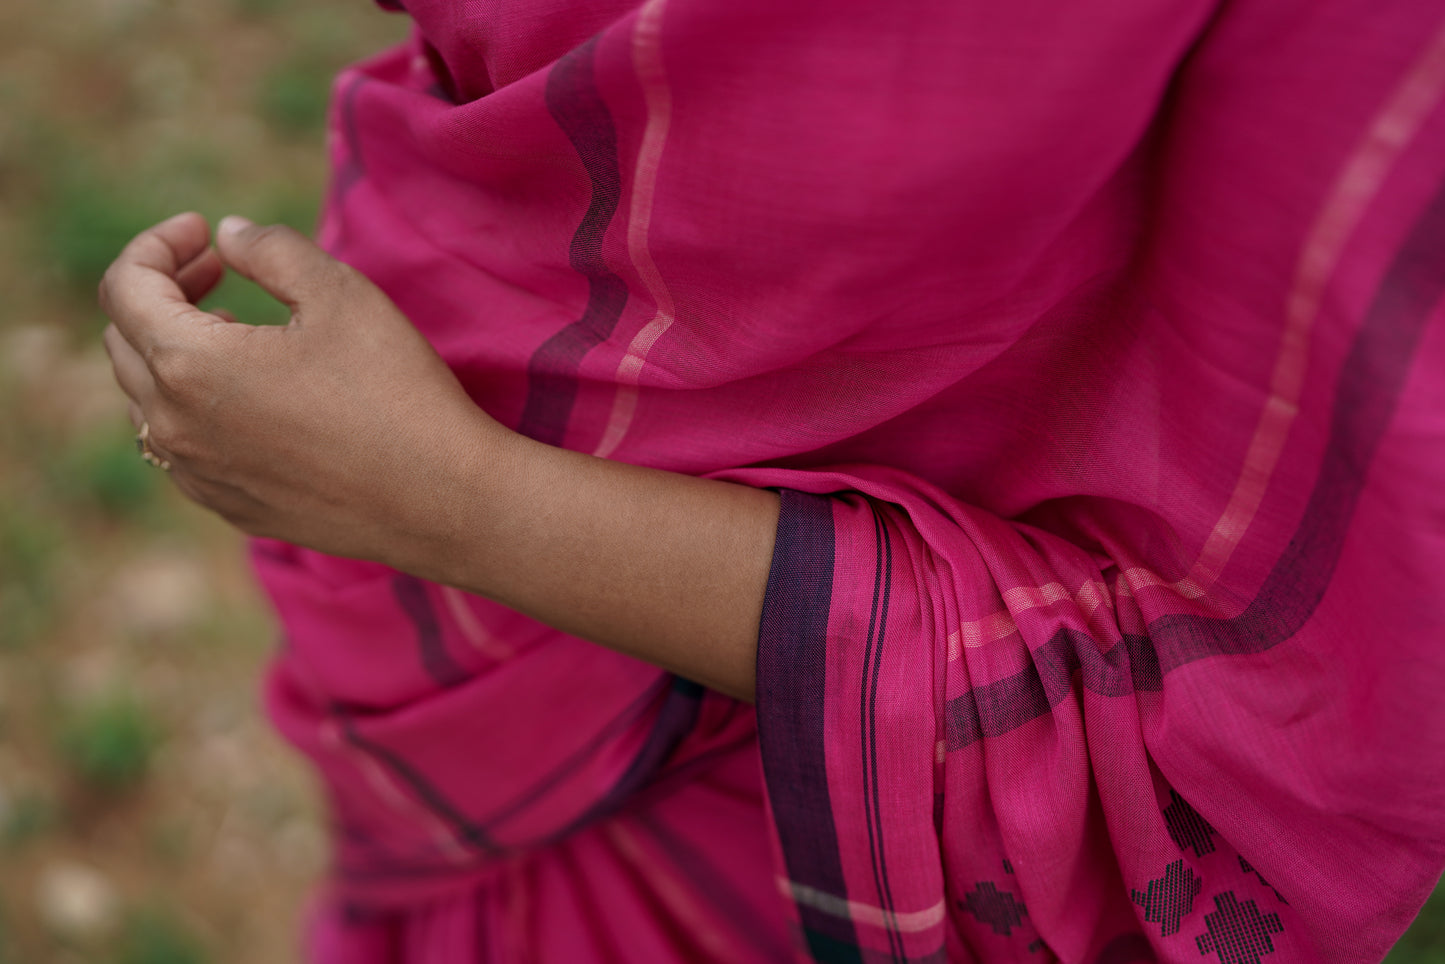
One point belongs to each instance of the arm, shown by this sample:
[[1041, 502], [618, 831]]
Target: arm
[[344, 432], [998, 715], [660, 566]]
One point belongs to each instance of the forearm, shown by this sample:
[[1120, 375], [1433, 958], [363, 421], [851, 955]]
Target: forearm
[[664, 567], [345, 432]]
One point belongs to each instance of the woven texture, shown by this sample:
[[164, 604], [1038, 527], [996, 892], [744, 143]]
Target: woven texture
[[1097, 351]]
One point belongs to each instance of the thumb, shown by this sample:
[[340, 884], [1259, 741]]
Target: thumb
[[284, 262]]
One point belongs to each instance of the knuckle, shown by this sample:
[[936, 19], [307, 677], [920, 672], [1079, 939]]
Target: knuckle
[[174, 369]]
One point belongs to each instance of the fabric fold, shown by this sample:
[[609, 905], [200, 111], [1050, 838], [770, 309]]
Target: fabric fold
[[1094, 349]]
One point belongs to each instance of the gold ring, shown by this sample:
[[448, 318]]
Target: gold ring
[[143, 446]]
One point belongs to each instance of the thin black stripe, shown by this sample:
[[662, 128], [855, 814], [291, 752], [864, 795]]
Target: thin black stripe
[[578, 108], [674, 722], [864, 720], [563, 769], [1370, 382], [868, 716], [715, 884], [887, 893], [431, 648]]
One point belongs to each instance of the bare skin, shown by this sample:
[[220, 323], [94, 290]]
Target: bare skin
[[345, 432]]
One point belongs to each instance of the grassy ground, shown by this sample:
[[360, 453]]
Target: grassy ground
[[147, 816]]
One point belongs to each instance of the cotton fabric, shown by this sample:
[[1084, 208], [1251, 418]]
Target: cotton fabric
[[1096, 351]]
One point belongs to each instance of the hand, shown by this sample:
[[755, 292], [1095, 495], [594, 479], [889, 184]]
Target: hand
[[342, 431], [345, 432]]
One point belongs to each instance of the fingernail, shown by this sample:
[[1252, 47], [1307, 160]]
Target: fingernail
[[232, 224]]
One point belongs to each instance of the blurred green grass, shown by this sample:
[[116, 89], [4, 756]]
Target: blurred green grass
[[152, 934], [86, 221], [30, 816], [109, 736], [100, 473], [108, 742], [30, 545], [292, 97]]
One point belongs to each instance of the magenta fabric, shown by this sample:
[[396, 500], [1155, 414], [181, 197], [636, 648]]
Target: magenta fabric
[[1096, 350]]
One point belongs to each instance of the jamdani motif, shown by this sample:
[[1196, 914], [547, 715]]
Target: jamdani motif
[[1170, 897], [1238, 933]]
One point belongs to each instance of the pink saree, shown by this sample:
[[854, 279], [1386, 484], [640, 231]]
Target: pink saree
[[1097, 352]]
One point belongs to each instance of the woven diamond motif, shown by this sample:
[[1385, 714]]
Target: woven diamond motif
[[999, 909], [1237, 932], [1170, 897]]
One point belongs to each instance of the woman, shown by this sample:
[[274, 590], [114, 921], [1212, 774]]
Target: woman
[[1035, 407]]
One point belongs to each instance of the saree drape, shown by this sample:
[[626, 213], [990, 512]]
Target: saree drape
[[1096, 349]]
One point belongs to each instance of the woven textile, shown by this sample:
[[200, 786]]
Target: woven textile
[[1097, 352]]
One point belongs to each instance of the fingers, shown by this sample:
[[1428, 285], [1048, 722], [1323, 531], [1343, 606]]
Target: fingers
[[288, 265], [131, 372], [200, 275], [140, 291]]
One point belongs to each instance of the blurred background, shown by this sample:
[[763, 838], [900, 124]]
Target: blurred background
[[147, 814]]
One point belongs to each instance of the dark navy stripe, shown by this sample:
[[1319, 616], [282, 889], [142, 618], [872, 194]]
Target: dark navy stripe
[[463, 828], [694, 767], [567, 767], [791, 673], [577, 107], [431, 648], [675, 721], [1371, 379]]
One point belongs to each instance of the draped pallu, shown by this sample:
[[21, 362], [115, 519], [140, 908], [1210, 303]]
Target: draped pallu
[[1096, 351]]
